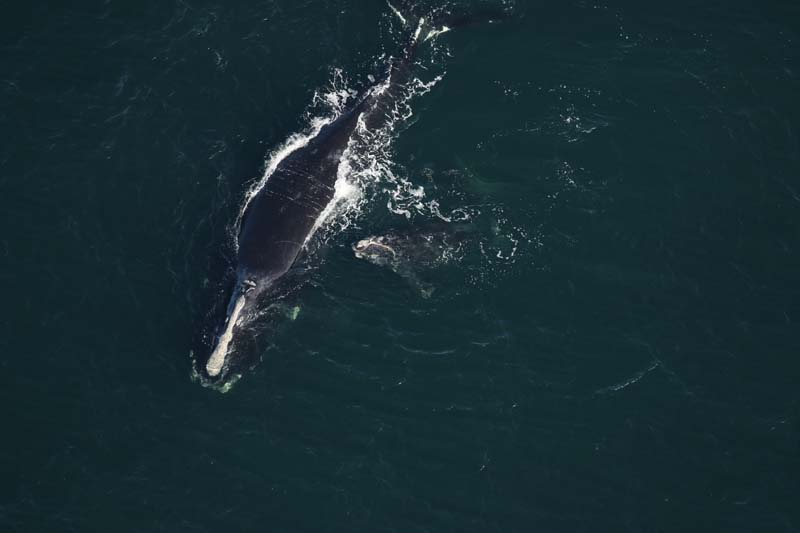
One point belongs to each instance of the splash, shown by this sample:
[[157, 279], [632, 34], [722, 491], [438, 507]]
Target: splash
[[367, 169], [369, 180]]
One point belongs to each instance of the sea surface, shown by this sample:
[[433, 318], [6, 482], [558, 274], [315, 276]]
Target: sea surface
[[616, 346]]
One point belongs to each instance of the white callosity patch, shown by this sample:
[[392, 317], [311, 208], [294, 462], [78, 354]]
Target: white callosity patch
[[362, 247], [217, 359]]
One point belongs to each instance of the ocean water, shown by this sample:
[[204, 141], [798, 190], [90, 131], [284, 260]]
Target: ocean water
[[615, 348]]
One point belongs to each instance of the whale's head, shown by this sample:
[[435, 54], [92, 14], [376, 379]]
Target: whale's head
[[242, 310], [376, 250]]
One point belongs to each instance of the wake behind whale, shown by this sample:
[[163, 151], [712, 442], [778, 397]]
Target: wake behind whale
[[299, 189]]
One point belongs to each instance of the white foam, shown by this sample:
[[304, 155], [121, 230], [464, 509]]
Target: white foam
[[366, 168], [435, 33], [419, 29], [397, 12]]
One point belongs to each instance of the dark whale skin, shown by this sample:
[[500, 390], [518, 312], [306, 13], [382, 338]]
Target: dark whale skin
[[282, 215]]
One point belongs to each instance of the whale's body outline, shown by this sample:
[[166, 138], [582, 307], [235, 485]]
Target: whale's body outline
[[281, 216]]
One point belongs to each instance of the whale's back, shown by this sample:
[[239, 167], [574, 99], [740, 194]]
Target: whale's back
[[281, 216]]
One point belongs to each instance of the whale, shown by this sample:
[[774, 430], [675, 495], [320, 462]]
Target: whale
[[280, 218], [410, 254]]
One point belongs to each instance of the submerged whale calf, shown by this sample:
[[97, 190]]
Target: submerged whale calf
[[409, 254], [281, 217]]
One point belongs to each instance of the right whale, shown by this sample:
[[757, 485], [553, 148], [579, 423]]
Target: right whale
[[281, 217], [409, 253]]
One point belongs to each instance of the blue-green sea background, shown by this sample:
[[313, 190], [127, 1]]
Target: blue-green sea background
[[633, 367]]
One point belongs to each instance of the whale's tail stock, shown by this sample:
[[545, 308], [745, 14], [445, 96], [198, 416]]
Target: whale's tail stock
[[422, 25]]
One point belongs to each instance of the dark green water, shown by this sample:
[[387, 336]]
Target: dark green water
[[632, 367]]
